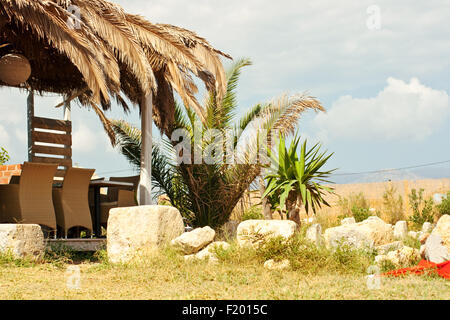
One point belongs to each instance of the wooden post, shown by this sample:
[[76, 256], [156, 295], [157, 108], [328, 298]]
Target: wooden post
[[267, 212], [30, 116], [145, 183]]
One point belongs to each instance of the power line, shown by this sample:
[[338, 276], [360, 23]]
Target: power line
[[117, 171], [335, 174], [389, 170]]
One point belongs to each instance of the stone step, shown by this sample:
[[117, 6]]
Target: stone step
[[79, 245]]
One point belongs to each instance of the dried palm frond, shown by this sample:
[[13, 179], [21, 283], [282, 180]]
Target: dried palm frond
[[47, 21], [105, 53]]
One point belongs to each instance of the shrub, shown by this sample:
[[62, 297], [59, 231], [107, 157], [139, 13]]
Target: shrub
[[444, 207], [392, 206], [422, 209], [4, 156], [253, 213], [360, 214], [356, 205], [304, 256]]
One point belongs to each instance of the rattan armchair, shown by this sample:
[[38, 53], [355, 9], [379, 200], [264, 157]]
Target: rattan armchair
[[30, 200], [71, 201]]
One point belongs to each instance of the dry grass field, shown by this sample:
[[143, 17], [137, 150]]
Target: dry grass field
[[238, 275]]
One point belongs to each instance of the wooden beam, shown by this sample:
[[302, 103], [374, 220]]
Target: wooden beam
[[54, 138], [67, 152], [51, 124], [145, 183]]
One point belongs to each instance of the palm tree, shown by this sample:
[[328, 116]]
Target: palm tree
[[206, 194], [297, 180]]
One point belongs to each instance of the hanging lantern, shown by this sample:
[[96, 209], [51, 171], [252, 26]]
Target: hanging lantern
[[14, 69]]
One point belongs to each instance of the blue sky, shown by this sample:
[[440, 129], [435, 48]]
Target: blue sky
[[385, 89]]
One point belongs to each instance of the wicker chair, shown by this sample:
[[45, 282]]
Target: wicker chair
[[118, 198], [71, 201], [29, 200]]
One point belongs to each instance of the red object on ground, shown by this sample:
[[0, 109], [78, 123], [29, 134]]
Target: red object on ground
[[424, 266]]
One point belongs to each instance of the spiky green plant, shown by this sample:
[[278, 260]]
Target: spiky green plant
[[298, 179], [4, 156], [206, 194]]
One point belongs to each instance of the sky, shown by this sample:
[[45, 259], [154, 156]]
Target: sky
[[380, 69]]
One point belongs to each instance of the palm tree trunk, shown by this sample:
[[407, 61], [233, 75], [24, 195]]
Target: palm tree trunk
[[292, 208], [267, 212]]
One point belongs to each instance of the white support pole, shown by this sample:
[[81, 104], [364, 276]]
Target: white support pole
[[67, 108], [145, 183], [30, 116]]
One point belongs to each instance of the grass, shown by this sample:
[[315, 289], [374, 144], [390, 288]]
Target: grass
[[314, 274]]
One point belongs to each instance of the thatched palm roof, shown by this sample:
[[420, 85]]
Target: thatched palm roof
[[109, 54]]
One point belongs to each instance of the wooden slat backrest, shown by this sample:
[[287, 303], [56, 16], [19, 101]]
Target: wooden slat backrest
[[57, 133]]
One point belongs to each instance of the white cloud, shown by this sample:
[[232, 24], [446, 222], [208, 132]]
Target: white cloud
[[4, 137], [84, 140], [400, 111], [320, 45]]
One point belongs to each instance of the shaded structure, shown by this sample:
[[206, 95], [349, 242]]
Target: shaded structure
[[93, 52]]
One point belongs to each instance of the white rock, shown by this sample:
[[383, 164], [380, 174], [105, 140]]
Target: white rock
[[413, 234], [400, 257], [427, 227], [209, 252], [255, 232], [401, 230], [434, 249], [368, 233], [384, 249], [22, 240], [314, 234], [443, 229], [274, 265], [133, 231], [347, 221], [380, 259], [194, 241], [403, 256]]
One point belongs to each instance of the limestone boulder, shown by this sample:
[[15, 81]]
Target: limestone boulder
[[442, 229], [22, 240], [384, 249], [427, 227], [209, 252], [401, 230], [192, 242], [434, 250], [400, 258], [256, 232], [136, 230], [414, 234], [347, 221], [277, 265], [368, 233]]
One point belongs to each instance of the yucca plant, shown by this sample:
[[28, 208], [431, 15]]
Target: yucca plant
[[206, 194], [298, 179]]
